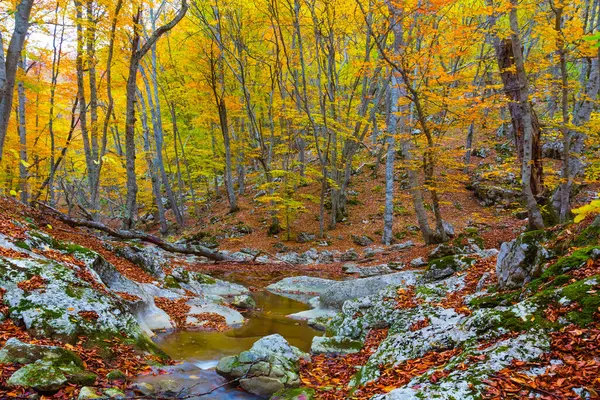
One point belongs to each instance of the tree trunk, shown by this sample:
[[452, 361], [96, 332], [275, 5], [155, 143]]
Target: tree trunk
[[137, 52], [22, 136], [8, 65], [530, 130]]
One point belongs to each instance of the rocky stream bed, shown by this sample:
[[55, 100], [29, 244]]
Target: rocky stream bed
[[78, 325]]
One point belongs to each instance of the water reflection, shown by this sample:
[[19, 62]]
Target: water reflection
[[269, 318]]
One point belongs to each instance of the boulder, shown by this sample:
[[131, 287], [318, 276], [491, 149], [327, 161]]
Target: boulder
[[244, 302], [41, 376], [446, 266], [350, 268], [72, 302], [339, 292], [15, 351], [305, 237], [349, 255], [443, 250], [365, 272], [300, 285], [271, 365], [402, 246], [520, 260], [87, 392], [418, 262], [149, 258], [362, 240]]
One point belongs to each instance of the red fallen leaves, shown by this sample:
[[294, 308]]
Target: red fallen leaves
[[85, 275], [177, 309], [212, 321], [420, 324], [10, 253], [334, 372], [8, 228], [3, 307], [405, 298], [591, 268], [474, 274], [128, 297], [392, 377], [59, 257], [576, 365], [125, 358], [89, 315], [554, 311], [35, 282]]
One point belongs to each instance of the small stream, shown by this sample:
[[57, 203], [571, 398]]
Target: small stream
[[204, 349]]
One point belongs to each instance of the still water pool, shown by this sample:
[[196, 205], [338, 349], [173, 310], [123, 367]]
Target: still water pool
[[204, 349]]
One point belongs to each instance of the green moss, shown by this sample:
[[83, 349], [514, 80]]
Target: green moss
[[589, 237], [171, 283], [586, 296], [116, 375], [22, 245], [294, 394], [565, 264], [205, 279], [74, 291], [510, 321], [495, 300], [83, 378], [425, 291]]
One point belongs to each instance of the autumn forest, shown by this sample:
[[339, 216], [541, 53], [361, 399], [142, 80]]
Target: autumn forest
[[417, 179]]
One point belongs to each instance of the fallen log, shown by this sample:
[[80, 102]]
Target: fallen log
[[129, 235]]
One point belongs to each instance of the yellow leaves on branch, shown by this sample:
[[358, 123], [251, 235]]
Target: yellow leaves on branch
[[583, 212]]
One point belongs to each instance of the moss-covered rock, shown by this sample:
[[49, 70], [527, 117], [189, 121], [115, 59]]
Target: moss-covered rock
[[15, 351], [116, 375], [171, 283], [269, 366], [294, 394], [88, 393], [520, 261], [446, 266], [41, 376]]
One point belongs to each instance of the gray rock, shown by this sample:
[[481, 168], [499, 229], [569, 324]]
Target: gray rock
[[54, 311], [446, 266], [114, 393], [418, 262], [149, 258], [326, 257], [365, 272], [402, 246], [305, 237], [362, 240], [448, 229], [349, 255], [268, 367], [87, 392], [15, 351], [372, 252], [301, 285], [443, 250], [262, 385], [396, 265], [40, 375], [339, 292], [244, 301], [350, 268], [520, 260]]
